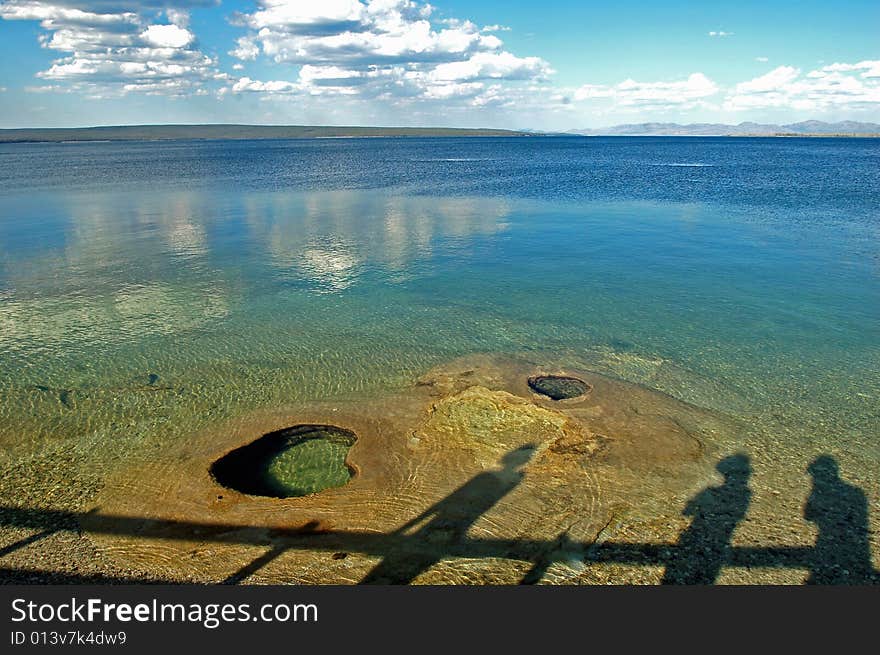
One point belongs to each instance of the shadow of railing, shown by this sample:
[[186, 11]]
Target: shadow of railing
[[688, 560]]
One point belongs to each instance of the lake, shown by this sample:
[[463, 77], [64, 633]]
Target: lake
[[154, 290]]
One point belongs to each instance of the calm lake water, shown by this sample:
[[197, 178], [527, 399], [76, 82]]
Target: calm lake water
[[148, 290]]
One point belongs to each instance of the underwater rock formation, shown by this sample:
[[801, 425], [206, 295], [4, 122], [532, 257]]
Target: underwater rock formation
[[558, 387], [467, 476], [295, 461]]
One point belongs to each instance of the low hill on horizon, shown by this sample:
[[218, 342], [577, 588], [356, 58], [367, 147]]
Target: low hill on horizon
[[217, 131]]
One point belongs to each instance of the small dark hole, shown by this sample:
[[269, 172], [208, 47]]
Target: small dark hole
[[295, 461], [559, 387], [340, 555]]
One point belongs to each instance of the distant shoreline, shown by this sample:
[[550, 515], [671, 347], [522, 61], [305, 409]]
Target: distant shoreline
[[147, 133], [231, 132]]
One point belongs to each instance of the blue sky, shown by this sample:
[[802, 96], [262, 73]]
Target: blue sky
[[549, 65]]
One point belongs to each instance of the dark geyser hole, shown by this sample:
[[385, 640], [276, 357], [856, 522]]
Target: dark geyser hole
[[295, 461], [558, 387]]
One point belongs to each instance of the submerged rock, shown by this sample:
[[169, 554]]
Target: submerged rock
[[490, 422]]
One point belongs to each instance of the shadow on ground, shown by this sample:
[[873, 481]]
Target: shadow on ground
[[841, 554]]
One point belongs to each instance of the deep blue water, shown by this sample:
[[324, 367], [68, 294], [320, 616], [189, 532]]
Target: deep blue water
[[839, 178]]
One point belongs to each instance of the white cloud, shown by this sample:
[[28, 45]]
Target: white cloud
[[383, 49], [492, 65], [245, 49], [305, 16], [331, 75], [839, 85], [865, 68], [115, 51], [630, 93], [454, 90], [45, 88], [177, 17], [373, 58], [247, 84], [593, 91], [769, 82], [167, 36]]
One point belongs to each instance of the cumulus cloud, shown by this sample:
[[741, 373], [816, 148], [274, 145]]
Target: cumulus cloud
[[775, 79], [390, 55], [492, 65], [167, 36], [113, 48], [630, 93], [245, 49], [839, 85], [363, 33], [864, 68], [389, 49], [247, 84]]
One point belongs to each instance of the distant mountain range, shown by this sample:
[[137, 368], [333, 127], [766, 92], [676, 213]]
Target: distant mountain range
[[804, 128]]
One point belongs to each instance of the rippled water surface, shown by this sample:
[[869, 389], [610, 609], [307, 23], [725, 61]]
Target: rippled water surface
[[149, 290]]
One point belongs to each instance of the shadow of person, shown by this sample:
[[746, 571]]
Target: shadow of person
[[449, 520], [842, 554], [700, 551]]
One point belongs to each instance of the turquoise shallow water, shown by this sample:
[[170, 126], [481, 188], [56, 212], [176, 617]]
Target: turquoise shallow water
[[151, 290]]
